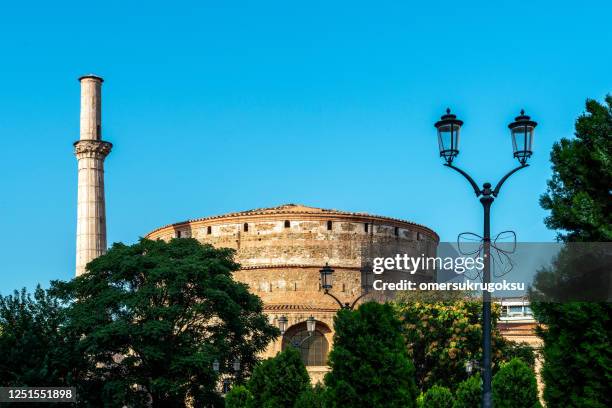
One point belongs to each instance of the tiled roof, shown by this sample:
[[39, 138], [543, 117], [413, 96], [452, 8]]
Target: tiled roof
[[294, 209], [296, 307]]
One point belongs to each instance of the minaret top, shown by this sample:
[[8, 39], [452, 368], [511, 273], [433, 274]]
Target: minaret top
[[92, 76], [91, 106]]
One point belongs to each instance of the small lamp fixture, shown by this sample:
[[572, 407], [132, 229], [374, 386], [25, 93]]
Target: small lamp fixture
[[310, 325], [216, 366], [448, 136], [367, 278], [471, 366], [236, 365], [522, 131], [326, 277], [282, 324]]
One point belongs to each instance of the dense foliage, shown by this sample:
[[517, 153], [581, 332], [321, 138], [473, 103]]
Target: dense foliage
[[469, 393], [279, 381], [369, 363], [311, 398], [577, 368], [578, 194], [442, 336], [437, 397], [239, 397], [34, 351], [514, 386], [149, 320]]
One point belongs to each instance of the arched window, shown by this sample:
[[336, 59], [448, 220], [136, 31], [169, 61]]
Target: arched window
[[313, 348], [246, 227], [209, 230], [329, 225], [287, 224], [396, 231]]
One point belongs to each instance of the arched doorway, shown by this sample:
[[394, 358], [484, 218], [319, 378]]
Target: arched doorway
[[313, 347]]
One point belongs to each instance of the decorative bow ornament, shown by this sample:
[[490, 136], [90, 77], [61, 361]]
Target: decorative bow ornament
[[501, 246]]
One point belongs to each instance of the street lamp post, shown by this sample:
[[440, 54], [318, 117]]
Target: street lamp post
[[521, 131], [225, 383], [326, 283], [311, 324]]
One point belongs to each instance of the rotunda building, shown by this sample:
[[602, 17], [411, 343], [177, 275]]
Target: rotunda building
[[281, 251]]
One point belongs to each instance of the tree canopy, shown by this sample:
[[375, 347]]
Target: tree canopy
[[577, 368], [514, 386], [578, 195], [369, 363], [33, 348], [151, 318], [442, 336], [279, 381]]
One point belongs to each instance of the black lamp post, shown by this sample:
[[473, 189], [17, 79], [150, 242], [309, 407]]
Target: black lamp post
[[311, 324], [326, 283], [521, 131], [225, 384]]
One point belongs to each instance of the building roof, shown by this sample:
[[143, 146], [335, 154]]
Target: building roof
[[297, 209]]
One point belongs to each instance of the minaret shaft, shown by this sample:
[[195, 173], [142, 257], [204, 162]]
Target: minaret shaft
[[90, 151], [91, 108]]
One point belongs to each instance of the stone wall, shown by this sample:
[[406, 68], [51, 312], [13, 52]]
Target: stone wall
[[282, 249]]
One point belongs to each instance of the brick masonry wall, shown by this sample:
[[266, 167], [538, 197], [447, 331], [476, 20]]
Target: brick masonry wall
[[281, 251]]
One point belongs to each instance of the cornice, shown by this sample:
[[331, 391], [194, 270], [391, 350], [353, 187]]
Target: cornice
[[302, 213]]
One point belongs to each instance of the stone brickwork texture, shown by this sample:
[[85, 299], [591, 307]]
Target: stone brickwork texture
[[282, 249]]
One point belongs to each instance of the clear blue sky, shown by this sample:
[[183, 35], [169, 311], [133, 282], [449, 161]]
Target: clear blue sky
[[216, 108]]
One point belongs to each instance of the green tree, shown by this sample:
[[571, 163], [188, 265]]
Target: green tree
[[469, 393], [523, 351], [239, 397], [33, 348], [514, 386], [152, 317], [577, 368], [578, 195], [437, 397], [311, 398], [442, 336], [278, 381], [369, 363]]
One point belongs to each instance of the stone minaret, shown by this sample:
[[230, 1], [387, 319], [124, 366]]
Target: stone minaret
[[90, 151]]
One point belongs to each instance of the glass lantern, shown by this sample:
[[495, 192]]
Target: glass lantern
[[522, 132], [310, 324], [282, 324], [448, 136], [326, 277]]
